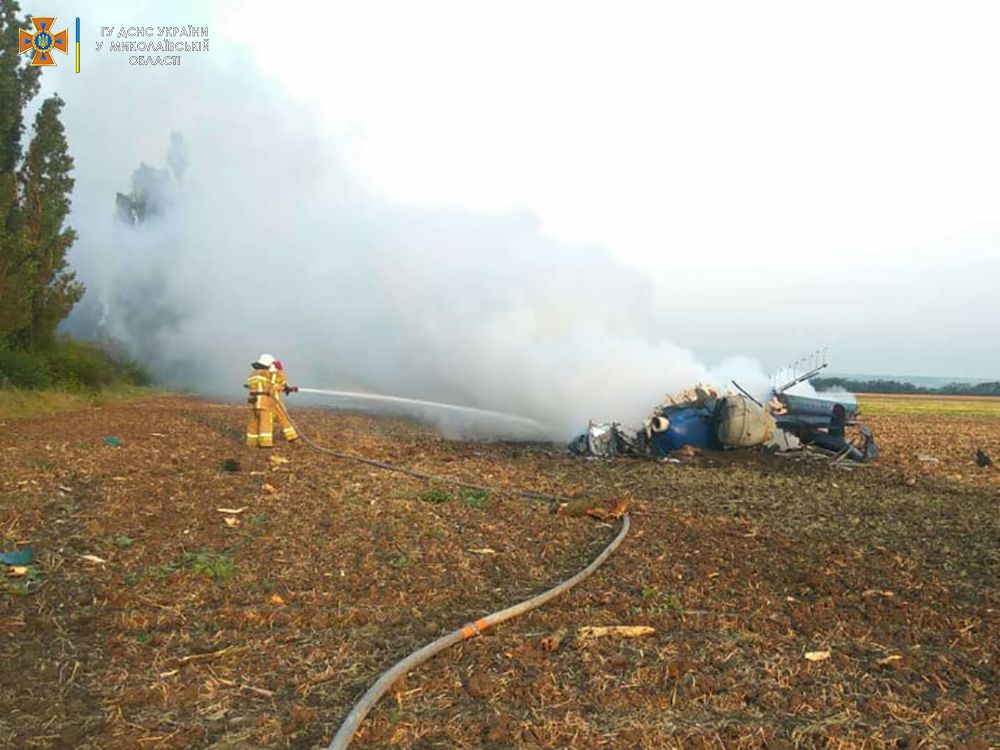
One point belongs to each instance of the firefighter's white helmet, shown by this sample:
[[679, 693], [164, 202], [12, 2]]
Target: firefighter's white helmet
[[265, 360]]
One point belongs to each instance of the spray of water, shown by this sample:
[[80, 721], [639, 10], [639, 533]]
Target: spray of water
[[488, 418]]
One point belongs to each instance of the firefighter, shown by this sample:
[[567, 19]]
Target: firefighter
[[266, 383], [279, 385]]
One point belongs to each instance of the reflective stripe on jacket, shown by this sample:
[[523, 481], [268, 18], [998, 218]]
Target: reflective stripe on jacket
[[259, 383]]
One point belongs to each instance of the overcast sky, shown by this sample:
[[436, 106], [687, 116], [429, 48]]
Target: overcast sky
[[790, 175]]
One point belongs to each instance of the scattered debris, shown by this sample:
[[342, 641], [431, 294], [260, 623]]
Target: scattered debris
[[21, 556], [620, 631], [112, 441], [876, 592], [276, 460], [601, 509], [982, 460], [232, 511], [231, 521], [704, 417], [689, 451], [94, 559], [552, 642], [212, 654], [817, 655], [230, 464], [617, 510], [276, 600], [605, 440], [16, 571], [240, 686], [269, 488]]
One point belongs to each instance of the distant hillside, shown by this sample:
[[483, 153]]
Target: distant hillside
[[991, 388]]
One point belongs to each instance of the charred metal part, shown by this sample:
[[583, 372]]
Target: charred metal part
[[702, 417]]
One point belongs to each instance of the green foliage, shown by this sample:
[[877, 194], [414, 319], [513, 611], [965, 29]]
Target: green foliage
[[399, 561], [214, 565], [660, 602], [18, 85], [435, 496], [69, 365], [79, 365], [473, 498], [23, 585], [46, 185], [142, 636], [37, 290], [24, 369], [133, 577], [160, 572]]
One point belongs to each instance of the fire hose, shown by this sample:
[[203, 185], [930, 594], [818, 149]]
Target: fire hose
[[381, 686]]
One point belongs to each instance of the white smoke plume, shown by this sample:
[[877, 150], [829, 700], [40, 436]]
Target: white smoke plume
[[256, 237]]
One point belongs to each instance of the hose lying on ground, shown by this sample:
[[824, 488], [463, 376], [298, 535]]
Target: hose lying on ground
[[350, 726], [372, 696]]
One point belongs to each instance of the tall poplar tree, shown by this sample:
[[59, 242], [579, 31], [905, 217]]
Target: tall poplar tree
[[46, 186], [36, 289], [18, 85]]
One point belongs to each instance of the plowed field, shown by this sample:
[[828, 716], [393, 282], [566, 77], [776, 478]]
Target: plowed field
[[794, 603]]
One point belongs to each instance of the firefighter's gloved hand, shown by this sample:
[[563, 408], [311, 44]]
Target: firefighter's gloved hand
[[291, 389]]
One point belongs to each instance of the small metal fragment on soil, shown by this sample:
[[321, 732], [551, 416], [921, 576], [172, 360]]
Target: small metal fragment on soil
[[817, 655], [622, 631]]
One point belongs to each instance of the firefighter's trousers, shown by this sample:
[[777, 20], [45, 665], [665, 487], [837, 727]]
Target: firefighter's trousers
[[281, 412], [259, 433], [260, 428]]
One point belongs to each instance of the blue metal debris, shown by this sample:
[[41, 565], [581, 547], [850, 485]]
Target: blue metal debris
[[21, 556], [706, 418]]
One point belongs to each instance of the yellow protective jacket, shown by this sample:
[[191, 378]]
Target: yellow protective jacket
[[265, 388], [259, 385]]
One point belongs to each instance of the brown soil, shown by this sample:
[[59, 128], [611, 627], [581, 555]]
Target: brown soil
[[197, 634]]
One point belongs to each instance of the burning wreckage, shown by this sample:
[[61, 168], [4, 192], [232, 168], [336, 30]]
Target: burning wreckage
[[704, 417]]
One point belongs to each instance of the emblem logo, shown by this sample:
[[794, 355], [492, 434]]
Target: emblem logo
[[43, 41]]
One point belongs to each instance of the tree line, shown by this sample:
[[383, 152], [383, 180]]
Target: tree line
[[991, 388], [37, 288]]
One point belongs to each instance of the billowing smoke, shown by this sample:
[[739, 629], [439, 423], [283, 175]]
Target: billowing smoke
[[246, 232]]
